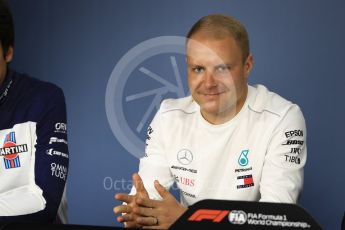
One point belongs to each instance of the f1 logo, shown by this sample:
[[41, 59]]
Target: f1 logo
[[208, 214]]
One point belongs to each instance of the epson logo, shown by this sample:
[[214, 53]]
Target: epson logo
[[294, 133]]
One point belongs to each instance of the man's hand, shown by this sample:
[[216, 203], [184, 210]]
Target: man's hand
[[154, 214], [129, 218]]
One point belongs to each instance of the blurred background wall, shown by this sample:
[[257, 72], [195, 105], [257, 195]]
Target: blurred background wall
[[99, 52]]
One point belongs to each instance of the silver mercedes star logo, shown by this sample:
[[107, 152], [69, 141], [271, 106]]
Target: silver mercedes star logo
[[185, 156]]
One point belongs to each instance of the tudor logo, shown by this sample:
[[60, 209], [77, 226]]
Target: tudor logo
[[185, 156]]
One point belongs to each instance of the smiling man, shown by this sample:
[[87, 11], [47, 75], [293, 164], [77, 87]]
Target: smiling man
[[228, 140]]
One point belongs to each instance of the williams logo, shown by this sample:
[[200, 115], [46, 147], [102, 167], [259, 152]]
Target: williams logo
[[243, 159], [10, 151]]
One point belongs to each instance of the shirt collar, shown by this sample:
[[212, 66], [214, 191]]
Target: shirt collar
[[6, 85]]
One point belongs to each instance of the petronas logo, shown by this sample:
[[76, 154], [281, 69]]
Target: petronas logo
[[243, 159]]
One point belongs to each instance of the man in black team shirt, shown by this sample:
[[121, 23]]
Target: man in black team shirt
[[33, 141]]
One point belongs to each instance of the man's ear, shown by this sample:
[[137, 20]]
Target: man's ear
[[9, 54], [248, 65]]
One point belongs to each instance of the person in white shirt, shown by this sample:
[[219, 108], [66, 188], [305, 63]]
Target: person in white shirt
[[228, 140]]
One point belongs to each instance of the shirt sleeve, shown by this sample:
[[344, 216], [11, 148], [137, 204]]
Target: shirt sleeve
[[154, 165], [283, 169], [40, 202]]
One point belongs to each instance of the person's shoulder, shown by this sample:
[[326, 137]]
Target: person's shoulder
[[185, 105], [264, 100], [38, 88]]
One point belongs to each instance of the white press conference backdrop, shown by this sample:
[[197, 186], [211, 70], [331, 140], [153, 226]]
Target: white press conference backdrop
[[116, 60]]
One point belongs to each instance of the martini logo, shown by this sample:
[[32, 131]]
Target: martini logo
[[10, 151]]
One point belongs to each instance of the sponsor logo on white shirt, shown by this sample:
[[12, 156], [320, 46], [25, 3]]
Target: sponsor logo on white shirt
[[292, 159], [294, 142], [243, 158], [185, 157], [294, 133], [10, 151], [184, 169], [243, 169], [188, 194], [245, 181], [184, 180]]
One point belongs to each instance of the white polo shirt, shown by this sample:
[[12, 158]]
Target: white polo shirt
[[259, 155]]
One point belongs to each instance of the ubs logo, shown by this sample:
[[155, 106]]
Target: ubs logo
[[185, 156]]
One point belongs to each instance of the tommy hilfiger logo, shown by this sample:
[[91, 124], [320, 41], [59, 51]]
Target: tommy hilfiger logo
[[245, 181], [10, 151]]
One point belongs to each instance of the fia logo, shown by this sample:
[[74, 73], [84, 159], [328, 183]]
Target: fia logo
[[237, 217], [243, 159]]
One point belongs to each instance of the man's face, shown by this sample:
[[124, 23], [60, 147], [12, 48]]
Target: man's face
[[217, 76], [4, 59]]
